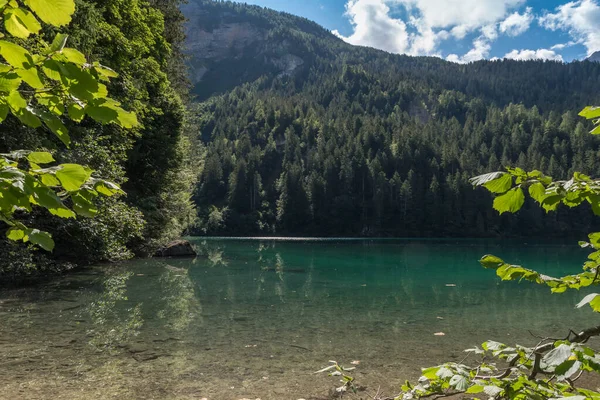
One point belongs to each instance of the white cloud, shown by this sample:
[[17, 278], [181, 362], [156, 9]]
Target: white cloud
[[481, 49], [469, 13], [374, 27], [517, 24], [561, 46], [425, 41], [338, 34], [460, 31], [580, 19], [540, 54], [430, 22]]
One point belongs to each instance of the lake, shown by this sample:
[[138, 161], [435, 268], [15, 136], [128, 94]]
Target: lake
[[254, 319]]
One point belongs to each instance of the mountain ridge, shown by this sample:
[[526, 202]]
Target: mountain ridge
[[595, 57], [356, 141]]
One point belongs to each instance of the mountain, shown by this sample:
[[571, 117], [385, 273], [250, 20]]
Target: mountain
[[230, 44], [309, 135], [594, 57]]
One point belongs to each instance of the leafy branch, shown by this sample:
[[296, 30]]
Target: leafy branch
[[43, 88], [550, 369]]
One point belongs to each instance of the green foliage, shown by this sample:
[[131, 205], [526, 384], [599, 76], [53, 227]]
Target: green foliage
[[550, 369], [37, 88], [153, 162], [335, 369]]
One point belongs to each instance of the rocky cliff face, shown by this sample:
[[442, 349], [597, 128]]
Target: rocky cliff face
[[227, 49]]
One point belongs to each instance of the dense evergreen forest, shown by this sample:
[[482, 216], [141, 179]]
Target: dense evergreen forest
[[154, 163], [352, 141]]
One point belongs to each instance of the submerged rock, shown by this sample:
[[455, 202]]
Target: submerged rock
[[178, 248]]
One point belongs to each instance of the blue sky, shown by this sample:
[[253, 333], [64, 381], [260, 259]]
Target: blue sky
[[459, 30]]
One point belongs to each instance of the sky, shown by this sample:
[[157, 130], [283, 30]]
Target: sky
[[459, 30]]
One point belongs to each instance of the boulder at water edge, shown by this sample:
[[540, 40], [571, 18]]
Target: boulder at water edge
[[178, 248]]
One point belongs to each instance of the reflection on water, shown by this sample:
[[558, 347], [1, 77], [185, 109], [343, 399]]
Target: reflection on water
[[112, 325], [254, 319]]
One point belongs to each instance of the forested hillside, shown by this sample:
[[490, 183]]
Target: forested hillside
[[307, 135], [142, 40]]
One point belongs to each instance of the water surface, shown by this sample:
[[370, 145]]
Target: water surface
[[254, 318]]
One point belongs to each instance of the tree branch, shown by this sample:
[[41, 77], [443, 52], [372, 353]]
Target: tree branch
[[540, 349]]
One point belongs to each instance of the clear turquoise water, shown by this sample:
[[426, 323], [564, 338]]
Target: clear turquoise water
[[254, 318]]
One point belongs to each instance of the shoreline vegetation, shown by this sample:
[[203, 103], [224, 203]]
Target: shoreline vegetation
[[147, 157]]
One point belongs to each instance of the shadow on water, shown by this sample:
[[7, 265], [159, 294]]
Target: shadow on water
[[254, 319]]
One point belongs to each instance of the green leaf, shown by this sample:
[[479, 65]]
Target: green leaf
[[590, 112], [492, 391], [430, 373], [517, 172], [459, 382], [483, 179], [42, 239], [594, 239], [76, 112], [104, 71], [56, 126], [537, 191], [475, 389], [73, 176], [21, 23], [501, 184], [83, 205], [59, 42], [11, 173], [444, 373], [109, 111], [15, 55], [82, 83], [102, 114], [567, 369], [74, 56], [49, 180], [594, 201], [573, 199], [491, 262], [9, 82], [3, 111], [593, 300], [16, 101], [47, 198], [40, 157], [54, 12], [15, 234], [511, 201], [107, 188], [27, 116], [52, 103], [127, 119], [512, 272], [556, 356], [52, 70], [14, 25], [551, 202], [31, 76]]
